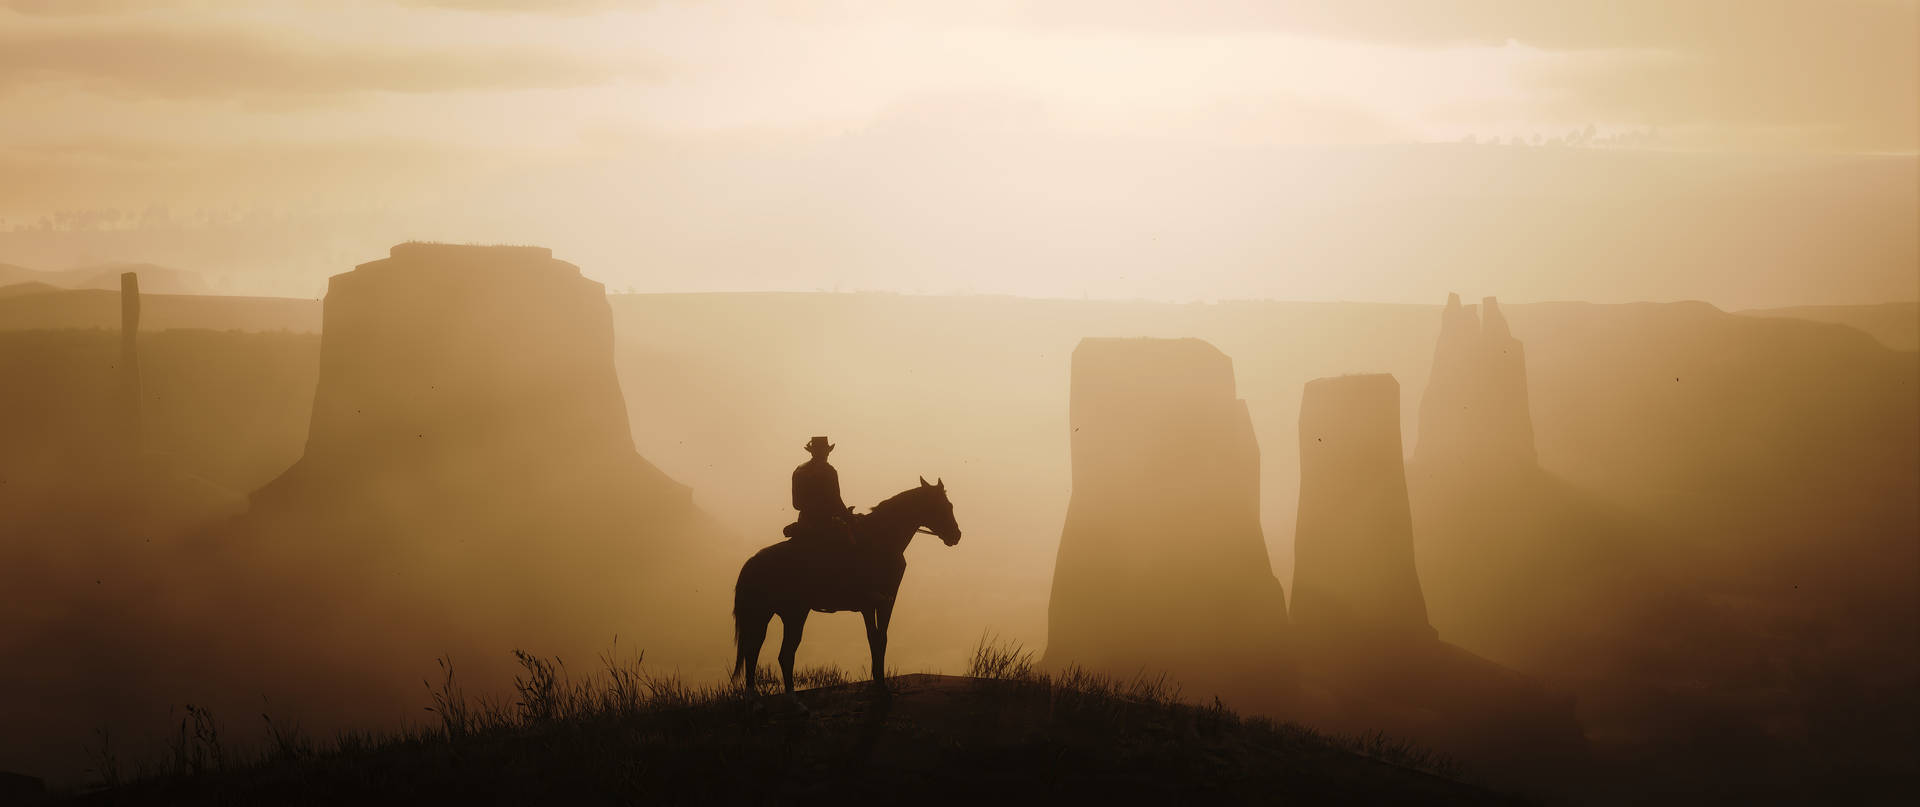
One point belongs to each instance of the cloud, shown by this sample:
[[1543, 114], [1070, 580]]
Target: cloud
[[74, 8], [131, 172], [1804, 74], [187, 63], [1830, 73], [533, 6], [1563, 24], [1838, 75], [81, 8], [1274, 119], [1863, 103]]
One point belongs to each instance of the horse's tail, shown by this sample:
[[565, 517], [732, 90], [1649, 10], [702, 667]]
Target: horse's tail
[[740, 652]]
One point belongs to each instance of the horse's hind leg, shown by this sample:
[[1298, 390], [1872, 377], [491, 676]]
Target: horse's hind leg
[[792, 623], [753, 634]]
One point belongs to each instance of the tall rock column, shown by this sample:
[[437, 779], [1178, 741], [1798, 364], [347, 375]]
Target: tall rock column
[[1354, 579], [130, 360], [1508, 436], [1475, 409], [1162, 564]]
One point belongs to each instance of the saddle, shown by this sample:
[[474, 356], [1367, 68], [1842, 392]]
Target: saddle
[[829, 533]]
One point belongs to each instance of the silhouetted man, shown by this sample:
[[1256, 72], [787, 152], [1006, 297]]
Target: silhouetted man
[[816, 494]]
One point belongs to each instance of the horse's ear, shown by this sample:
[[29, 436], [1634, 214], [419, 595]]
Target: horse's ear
[[923, 482], [940, 483]]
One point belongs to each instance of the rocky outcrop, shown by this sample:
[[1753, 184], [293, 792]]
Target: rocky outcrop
[[1360, 625], [130, 360], [470, 479], [1354, 577], [446, 371], [1475, 410], [1162, 563], [1495, 529]]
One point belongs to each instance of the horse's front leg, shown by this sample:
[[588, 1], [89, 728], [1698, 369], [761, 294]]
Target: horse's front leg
[[877, 643]]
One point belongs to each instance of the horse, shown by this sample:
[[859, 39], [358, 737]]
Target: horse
[[793, 578]]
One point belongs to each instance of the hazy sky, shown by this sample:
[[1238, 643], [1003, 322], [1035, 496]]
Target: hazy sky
[[1014, 147]]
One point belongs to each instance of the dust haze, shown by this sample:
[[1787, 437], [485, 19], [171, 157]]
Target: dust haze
[[1517, 385]]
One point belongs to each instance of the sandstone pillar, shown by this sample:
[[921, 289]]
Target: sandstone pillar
[[1354, 577], [1475, 411], [130, 359], [1162, 563]]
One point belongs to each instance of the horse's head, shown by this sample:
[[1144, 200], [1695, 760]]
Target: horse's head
[[936, 512]]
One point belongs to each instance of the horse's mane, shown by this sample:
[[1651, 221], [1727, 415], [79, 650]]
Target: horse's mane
[[896, 499]]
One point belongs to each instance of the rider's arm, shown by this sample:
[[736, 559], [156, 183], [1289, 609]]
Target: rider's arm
[[833, 485]]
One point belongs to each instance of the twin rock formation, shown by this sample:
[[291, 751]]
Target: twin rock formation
[[1162, 560], [1475, 410], [1162, 564]]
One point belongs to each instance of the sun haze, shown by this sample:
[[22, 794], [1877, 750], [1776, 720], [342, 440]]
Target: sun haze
[[1359, 401], [1223, 149]]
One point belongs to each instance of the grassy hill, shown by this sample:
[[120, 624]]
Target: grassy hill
[[1003, 732]]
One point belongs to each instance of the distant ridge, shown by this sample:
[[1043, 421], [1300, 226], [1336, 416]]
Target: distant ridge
[[1896, 325], [39, 306], [27, 288], [154, 278]]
